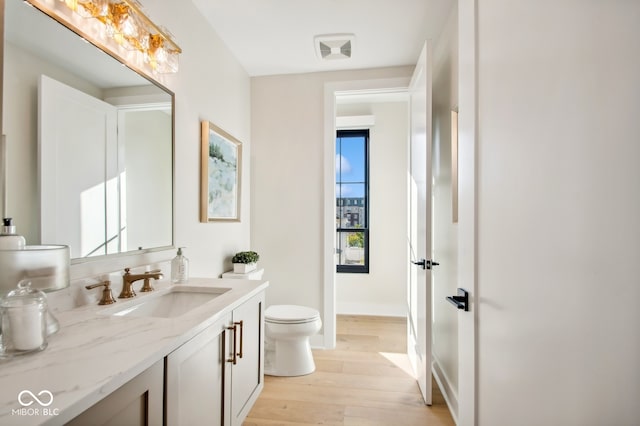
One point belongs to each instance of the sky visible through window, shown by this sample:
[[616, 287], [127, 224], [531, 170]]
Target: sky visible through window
[[350, 166]]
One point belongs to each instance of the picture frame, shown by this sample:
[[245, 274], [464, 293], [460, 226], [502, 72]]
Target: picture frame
[[220, 175]]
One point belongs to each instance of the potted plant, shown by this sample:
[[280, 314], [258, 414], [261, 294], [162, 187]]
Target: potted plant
[[245, 261]]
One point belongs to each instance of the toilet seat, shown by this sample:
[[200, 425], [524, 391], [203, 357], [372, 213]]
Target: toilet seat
[[290, 314]]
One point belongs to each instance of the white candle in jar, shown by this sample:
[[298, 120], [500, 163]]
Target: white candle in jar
[[26, 323]]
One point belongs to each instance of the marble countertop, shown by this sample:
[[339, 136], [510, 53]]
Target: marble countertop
[[95, 353]]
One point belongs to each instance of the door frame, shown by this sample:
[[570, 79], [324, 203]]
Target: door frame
[[331, 90], [468, 123]]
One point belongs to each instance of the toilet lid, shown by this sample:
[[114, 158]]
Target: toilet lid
[[290, 313]]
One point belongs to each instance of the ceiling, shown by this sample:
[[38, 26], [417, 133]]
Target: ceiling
[[271, 37]]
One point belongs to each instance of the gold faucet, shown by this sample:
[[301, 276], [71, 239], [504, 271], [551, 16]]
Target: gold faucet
[[128, 279], [107, 295]]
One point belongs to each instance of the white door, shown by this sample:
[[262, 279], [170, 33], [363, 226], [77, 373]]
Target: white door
[[77, 201], [419, 282]]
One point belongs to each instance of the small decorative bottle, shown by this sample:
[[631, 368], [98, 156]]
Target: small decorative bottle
[[9, 240], [179, 268]]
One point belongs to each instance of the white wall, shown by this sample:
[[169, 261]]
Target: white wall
[[383, 290], [145, 166], [445, 233], [558, 212], [287, 180], [211, 85]]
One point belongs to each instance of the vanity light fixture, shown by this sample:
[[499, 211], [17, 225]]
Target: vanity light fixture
[[121, 27]]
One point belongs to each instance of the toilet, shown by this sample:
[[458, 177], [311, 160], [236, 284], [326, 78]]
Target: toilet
[[288, 329]]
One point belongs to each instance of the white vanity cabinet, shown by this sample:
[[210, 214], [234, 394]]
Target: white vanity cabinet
[[216, 377], [137, 402], [175, 370], [196, 378], [247, 374]]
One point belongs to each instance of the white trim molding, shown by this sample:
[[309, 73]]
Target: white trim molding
[[331, 90], [356, 122]]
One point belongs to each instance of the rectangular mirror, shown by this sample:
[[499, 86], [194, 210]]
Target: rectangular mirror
[[89, 143]]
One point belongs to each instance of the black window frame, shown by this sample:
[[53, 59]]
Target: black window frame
[[364, 268]]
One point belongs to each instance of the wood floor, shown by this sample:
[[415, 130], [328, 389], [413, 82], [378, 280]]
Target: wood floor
[[366, 380]]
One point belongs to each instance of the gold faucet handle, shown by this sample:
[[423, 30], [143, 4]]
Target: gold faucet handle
[[107, 295], [147, 285], [147, 281]]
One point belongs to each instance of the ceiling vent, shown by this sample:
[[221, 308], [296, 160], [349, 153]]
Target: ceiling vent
[[334, 46]]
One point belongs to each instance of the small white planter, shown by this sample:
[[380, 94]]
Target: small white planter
[[243, 268]]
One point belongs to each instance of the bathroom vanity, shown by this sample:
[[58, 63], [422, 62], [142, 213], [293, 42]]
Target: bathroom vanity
[[196, 359]]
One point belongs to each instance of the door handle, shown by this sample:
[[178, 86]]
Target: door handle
[[461, 301], [422, 263], [425, 263]]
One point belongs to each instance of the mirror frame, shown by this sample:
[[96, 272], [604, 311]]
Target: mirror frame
[[93, 266]]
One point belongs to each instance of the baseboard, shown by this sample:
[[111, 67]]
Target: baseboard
[[448, 392], [374, 309], [317, 341]]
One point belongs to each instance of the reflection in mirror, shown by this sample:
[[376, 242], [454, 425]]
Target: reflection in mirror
[[98, 135]]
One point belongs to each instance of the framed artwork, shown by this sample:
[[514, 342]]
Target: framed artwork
[[220, 172]]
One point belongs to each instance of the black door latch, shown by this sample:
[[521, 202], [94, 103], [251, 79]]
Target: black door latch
[[425, 264], [461, 301]]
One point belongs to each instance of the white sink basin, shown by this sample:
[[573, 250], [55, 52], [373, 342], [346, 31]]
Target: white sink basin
[[174, 303]]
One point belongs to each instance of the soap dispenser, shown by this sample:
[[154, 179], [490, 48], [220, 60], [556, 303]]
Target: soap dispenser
[[9, 240], [179, 268]]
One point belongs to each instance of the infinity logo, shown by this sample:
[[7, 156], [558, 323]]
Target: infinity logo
[[28, 403]]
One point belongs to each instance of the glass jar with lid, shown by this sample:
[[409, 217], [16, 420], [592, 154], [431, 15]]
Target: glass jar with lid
[[24, 324]]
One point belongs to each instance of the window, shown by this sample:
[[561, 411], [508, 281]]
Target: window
[[352, 200]]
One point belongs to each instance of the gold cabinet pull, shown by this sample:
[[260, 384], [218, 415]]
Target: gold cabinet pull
[[234, 358], [241, 324]]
